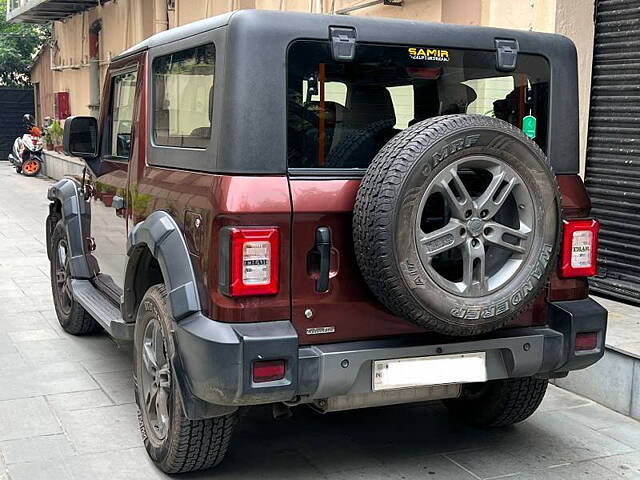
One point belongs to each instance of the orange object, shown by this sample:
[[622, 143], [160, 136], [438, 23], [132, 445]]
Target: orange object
[[30, 167]]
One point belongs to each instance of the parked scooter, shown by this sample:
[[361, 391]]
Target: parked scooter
[[27, 149]]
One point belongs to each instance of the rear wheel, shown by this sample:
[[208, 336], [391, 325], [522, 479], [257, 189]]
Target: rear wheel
[[498, 403], [73, 318], [31, 167], [175, 443]]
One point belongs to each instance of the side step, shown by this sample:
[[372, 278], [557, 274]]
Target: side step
[[102, 310]]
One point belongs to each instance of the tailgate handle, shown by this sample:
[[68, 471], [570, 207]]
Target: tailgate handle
[[323, 249]]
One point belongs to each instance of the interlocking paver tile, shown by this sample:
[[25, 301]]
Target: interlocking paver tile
[[26, 417]]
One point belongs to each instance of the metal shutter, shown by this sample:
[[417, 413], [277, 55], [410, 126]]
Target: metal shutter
[[14, 103], [613, 149]]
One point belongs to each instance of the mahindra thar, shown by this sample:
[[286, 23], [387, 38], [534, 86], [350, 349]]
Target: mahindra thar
[[339, 212]]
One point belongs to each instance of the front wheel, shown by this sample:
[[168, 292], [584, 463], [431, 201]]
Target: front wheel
[[498, 403], [175, 443], [73, 318], [31, 167]]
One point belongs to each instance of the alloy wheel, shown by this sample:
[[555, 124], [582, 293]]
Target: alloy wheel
[[30, 167], [474, 226], [156, 379], [63, 277]]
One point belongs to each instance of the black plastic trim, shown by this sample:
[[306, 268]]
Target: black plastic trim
[[161, 234], [573, 317], [216, 358], [76, 215]]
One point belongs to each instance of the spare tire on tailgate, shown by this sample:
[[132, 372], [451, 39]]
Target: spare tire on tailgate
[[456, 223]]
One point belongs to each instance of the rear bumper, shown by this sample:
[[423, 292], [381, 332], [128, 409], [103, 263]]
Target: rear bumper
[[214, 360]]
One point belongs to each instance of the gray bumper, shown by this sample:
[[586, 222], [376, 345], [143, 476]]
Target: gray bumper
[[215, 359]]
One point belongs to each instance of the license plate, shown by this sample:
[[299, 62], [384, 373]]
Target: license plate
[[423, 371]]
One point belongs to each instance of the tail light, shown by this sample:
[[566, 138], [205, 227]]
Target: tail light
[[586, 341], [249, 261], [268, 371], [579, 248]]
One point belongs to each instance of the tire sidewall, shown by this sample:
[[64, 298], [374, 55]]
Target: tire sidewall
[[521, 154], [153, 306], [58, 234]]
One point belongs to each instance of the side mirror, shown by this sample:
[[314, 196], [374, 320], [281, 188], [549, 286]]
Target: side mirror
[[81, 137]]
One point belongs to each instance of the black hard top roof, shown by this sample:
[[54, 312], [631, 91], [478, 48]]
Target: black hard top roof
[[252, 41], [294, 25]]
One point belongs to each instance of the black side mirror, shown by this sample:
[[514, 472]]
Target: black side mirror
[[81, 137]]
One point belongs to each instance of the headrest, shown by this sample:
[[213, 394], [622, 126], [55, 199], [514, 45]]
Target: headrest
[[455, 97], [367, 104]]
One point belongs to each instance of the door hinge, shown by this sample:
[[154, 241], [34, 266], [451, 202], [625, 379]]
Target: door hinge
[[343, 43], [506, 54]]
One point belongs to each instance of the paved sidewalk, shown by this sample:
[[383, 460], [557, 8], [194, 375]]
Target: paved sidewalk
[[67, 412], [623, 326]]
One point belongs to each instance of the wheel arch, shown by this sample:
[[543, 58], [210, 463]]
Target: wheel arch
[[75, 215], [158, 253]]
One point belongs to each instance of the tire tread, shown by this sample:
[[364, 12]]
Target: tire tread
[[375, 208], [195, 444], [506, 402]]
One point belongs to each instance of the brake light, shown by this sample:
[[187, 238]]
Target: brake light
[[579, 248], [268, 371], [252, 262]]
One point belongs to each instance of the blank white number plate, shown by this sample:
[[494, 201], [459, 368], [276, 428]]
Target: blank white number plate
[[421, 371]]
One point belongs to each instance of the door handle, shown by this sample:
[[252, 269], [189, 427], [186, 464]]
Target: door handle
[[323, 249]]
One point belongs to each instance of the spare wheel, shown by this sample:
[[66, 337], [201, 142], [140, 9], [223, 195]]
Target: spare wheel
[[456, 223]]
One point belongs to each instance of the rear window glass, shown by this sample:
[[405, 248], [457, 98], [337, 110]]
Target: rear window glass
[[339, 115], [183, 88]]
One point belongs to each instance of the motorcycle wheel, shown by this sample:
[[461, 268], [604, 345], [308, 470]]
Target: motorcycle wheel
[[31, 167]]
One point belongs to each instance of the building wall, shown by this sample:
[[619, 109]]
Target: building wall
[[42, 79], [574, 18], [127, 22]]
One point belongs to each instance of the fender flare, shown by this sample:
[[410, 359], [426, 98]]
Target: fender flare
[[162, 236], [75, 218]]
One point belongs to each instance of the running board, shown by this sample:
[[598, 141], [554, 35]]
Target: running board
[[102, 310]]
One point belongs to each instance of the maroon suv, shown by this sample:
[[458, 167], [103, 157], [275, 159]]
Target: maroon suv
[[340, 212]]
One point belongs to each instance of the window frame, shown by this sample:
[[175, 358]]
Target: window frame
[[324, 173], [177, 157], [153, 93], [106, 139]]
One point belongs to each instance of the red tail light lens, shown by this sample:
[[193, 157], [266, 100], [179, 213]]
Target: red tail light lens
[[586, 341], [579, 248], [268, 371], [252, 262]]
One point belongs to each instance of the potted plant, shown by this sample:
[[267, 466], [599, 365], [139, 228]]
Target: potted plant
[[48, 141], [56, 131]]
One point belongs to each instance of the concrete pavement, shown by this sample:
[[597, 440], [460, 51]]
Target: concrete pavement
[[67, 411]]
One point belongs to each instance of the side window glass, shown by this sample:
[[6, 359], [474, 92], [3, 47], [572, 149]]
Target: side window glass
[[123, 98], [183, 89]]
